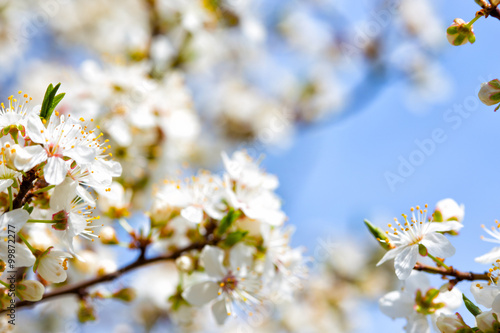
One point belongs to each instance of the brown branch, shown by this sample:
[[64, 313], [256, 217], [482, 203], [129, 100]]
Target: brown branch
[[79, 289], [452, 272], [24, 188]]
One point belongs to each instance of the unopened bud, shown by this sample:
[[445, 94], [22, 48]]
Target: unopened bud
[[450, 323], [86, 312], [487, 322], [184, 264], [125, 294], [459, 33], [108, 236], [30, 290], [489, 93]]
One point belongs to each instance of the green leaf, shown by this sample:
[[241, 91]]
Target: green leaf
[[494, 83], [50, 101], [228, 220], [378, 234], [471, 306], [235, 237]]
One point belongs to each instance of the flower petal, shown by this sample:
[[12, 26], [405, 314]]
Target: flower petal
[[438, 245], [489, 257], [201, 293], [212, 257], [396, 304], [220, 311], [391, 254], [405, 261], [444, 226], [55, 171], [484, 294]]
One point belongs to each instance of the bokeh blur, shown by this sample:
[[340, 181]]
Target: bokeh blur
[[361, 108]]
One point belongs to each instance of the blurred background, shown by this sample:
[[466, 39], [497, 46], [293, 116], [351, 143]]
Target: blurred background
[[361, 108]]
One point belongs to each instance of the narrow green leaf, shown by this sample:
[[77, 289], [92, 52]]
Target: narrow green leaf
[[471, 306], [228, 220], [45, 103], [378, 234], [235, 237]]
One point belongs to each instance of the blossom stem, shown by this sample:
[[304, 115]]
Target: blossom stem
[[5, 284], [11, 200], [468, 25], [439, 262], [45, 189], [41, 221], [25, 241]]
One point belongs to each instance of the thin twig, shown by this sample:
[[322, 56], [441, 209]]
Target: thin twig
[[458, 275]]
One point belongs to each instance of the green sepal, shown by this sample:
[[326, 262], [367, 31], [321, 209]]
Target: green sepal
[[27, 208], [379, 235], [226, 222], [471, 306], [494, 83], [39, 256], [452, 30], [472, 38], [235, 237], [422, 250]]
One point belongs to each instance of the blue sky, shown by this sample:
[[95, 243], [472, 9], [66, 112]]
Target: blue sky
[[334, 176]]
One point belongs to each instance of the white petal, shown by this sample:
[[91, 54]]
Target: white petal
[[489, 257], [444, 226], [62, 195], [212, 257], [16, 219], [192, 214], [55, 171], [220, 311], [483, 293], [28, 157], [405, 261], [396, 304], [417, 323], [4, 183], [391, 254], [35, 129], [24, 257], [85, 195], [241, 256], [201, 293], [82, 155], [438, 245]]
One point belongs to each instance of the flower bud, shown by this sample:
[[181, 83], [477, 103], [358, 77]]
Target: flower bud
[[108, 236], [487, 322], [459, 33], [125, 294], [448, 210], [450, 323], [184, 264], [86, 312], [30, 290], [490, 92]]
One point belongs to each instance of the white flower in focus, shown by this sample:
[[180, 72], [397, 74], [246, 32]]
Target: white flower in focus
[[227, 285], [16, 112], [7, 176], [14, 221], [409, 303], [494, 254], [407, 237], [52, 265], [450, 210], [71, 215], [486, 294]]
